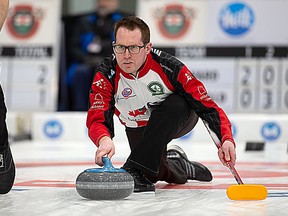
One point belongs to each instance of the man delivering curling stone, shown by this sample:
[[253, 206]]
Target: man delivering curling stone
[[157, 99]]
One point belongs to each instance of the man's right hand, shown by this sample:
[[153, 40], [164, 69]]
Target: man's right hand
[[106, 147]]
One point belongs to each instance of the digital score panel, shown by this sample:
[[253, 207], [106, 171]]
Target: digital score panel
[[241, 79], [261, 86], [270, 86], [246, 86]]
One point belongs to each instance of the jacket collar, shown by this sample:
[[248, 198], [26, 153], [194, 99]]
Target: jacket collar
[[141, 72]]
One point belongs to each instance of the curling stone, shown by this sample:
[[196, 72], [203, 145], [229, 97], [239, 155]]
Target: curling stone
[[106, 183]]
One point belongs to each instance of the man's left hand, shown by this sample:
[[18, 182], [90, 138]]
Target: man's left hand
[[227, 153]]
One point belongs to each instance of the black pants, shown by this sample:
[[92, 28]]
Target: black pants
[[3, 127], [172, 119]]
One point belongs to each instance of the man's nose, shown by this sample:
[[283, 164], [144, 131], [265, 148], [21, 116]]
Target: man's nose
[[127, 53]]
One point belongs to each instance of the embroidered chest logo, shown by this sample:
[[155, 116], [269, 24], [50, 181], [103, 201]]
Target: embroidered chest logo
[[156, 88], [126, 92]]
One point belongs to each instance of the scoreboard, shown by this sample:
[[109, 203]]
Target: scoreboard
[[237, 50], [241, 79], [27, 78], [29, 53]]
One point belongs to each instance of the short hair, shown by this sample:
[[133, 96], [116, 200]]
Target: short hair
[[132, 23]]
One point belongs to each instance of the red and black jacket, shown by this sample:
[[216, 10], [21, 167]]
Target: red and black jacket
[[133, 98]]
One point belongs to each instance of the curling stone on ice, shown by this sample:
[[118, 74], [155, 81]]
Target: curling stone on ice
[[106, 183]]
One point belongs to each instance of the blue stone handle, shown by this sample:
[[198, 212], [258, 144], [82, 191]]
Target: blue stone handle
[[108, 167]]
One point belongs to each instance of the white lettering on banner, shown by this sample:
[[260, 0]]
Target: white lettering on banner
[[190, 52], [55, 129], [239, 19], [31, 52]]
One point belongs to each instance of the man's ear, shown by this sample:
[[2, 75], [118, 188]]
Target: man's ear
[[148, 47]]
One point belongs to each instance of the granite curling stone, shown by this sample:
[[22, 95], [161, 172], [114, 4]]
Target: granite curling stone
[[106, 183]]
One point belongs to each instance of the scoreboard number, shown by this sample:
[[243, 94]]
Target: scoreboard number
[[245, 84], [269, 85], [42, 80]]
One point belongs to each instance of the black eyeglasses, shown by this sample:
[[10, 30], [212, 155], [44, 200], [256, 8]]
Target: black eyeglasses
[[133, 49]]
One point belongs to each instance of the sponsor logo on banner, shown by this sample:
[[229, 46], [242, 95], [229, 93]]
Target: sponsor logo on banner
[[271, 131], [23, 21], [53, 129], [174, 20], [236, 19]]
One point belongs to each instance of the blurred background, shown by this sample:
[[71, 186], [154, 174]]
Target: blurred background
[[74, 7], [239, 49]]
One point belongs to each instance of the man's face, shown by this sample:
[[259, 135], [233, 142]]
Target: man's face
[[131, 62]]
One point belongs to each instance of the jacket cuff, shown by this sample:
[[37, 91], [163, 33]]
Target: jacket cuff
[[99, 138]]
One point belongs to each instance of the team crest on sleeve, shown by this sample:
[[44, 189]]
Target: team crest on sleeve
[[100, 83], [112, 72], [98, 102], [203, 93], [156, 88], [189, 76]]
